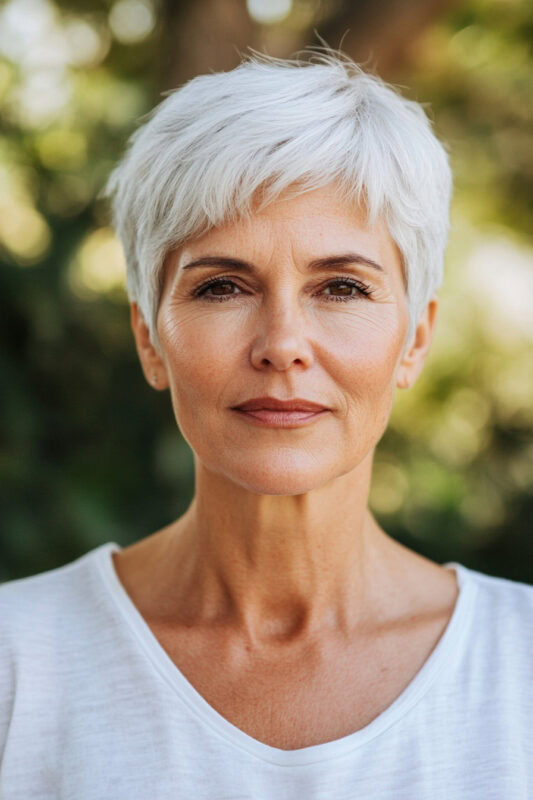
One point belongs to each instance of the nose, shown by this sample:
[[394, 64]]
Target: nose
[[281, 336]]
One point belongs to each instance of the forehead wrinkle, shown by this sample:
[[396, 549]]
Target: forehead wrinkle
[[268, 240], [282, 230]]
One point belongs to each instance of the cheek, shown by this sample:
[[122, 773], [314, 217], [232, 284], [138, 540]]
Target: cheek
[[203, 350], [367, 378], [197, 354], [367, 353]]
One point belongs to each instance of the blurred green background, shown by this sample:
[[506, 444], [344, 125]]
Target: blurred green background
[[89, 453]]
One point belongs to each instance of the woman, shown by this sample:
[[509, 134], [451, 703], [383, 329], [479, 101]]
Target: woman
[[284, 227]]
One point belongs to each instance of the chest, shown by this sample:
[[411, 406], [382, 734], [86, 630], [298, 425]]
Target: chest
[[299, 697]]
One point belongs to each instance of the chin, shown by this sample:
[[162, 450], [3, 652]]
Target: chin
[[283, 476], [279, 488]]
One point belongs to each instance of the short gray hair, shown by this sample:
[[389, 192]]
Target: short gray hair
[[270, 124]]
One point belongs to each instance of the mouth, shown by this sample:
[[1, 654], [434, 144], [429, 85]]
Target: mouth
[[275, 418]]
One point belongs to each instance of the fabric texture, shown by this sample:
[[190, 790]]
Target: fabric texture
[[92, 707]]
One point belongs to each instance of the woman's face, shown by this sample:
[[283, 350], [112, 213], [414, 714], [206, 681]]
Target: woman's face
[[332, 333]]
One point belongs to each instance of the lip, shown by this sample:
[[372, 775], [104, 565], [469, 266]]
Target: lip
[[297, 404], [272, 418]]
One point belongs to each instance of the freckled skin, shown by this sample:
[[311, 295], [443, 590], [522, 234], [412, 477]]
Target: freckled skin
[[282, 339], [317, 617], [273, 506]]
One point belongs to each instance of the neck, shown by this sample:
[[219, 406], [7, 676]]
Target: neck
[[277, 566]]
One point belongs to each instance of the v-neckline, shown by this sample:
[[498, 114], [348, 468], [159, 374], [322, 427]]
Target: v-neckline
[[446, 649]]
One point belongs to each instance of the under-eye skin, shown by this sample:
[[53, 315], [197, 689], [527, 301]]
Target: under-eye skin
[[362, 290]]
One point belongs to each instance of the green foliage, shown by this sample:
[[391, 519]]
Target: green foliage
[[90, 454]]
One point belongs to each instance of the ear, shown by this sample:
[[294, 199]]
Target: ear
[[152, 364], [414, 358]]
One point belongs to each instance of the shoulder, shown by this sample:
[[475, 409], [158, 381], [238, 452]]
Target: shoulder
[[45, 623], [502, 618], [37, 592], [35, 611], [507, 597], [32, 612]]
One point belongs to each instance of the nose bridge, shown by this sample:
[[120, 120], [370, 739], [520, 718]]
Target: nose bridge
[[282, 329], [281, 306]]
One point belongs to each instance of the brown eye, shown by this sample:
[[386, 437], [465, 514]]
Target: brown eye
[[216, 288], [345, 286]]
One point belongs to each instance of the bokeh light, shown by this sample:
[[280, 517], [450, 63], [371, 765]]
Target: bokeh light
[[131, 20], [454, 470], [98, 267], [269, 11]]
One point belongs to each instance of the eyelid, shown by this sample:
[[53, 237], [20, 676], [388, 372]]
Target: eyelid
[[361, 284], [216, 279]]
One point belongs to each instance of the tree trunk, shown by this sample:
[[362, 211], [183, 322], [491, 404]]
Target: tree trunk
[[380, 33], [204, 36], [210, 35]]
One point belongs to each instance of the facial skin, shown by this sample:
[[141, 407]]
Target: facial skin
[[276, 506]]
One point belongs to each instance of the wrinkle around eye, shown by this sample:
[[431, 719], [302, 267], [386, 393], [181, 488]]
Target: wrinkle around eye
[[194, 291]]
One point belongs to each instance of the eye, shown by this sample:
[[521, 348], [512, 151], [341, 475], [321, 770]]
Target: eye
[[347, 285], [215, 283], [361, 289]]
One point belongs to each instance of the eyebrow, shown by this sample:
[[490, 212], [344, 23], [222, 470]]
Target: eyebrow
[[329, 262]]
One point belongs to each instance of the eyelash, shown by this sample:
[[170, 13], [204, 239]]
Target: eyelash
[[362, 288]]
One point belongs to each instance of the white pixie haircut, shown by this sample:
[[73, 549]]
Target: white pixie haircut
[[272, 125]]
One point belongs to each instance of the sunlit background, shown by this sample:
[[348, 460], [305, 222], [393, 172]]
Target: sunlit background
[[89, 454]]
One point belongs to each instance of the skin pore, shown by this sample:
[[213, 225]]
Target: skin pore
[[318, 618]]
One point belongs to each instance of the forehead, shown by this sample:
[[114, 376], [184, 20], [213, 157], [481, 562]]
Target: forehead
[[322, 210], [314, 224]]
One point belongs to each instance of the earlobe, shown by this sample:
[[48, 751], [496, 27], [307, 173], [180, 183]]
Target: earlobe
[[401, 381], [151, 362], [414, 358]]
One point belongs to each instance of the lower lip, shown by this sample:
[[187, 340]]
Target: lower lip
[[280, 419]]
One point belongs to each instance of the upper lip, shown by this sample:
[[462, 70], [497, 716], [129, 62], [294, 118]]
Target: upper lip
[[273, 404]]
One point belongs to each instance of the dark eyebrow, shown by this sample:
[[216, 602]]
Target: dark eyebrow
[[330, 262]]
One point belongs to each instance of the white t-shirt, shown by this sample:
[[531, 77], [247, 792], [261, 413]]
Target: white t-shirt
[[92, 707]]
